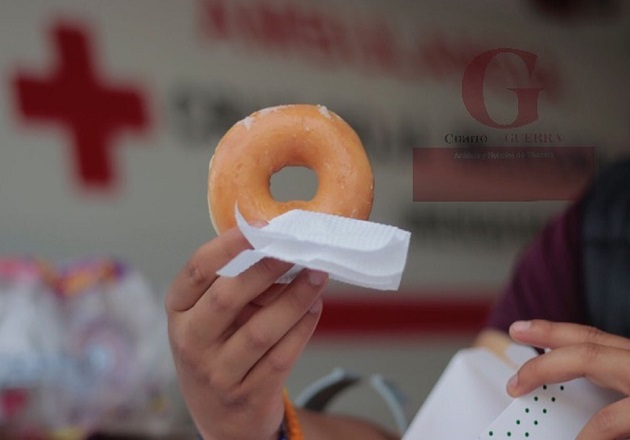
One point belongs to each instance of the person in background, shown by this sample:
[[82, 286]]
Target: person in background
[[236, 340], [570, 292]]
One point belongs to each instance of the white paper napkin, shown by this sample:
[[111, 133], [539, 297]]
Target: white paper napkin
[[358, 252]]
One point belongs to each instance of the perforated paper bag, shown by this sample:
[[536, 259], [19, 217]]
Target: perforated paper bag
[[470, 401]]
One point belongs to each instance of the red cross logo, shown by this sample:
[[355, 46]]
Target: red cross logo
[[76, 96]]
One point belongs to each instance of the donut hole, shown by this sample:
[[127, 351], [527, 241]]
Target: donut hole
[[293, 183]]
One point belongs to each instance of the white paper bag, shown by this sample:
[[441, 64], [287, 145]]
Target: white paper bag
[[470, 402]]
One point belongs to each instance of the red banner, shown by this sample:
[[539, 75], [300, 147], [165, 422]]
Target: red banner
[[476, 174]]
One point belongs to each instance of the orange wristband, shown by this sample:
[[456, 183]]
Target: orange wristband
[[291, 422]]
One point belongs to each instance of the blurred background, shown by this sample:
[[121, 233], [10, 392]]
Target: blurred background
[[481, 119]]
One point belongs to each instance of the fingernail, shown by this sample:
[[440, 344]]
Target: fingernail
[[317, 306], [258, 223], [521, 326], [316, 277], [513, 383]]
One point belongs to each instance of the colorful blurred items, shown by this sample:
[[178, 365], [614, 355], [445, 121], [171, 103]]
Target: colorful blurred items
[[31, 336], [82, 345], [85, 275]]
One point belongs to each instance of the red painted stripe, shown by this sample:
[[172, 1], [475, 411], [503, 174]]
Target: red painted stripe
[[405, 315]]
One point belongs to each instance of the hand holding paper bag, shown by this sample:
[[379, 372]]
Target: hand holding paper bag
[[554, 402], [579, 351]]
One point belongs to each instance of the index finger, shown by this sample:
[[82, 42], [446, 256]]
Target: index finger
[[605, 366], [200, 271], [547, 334]]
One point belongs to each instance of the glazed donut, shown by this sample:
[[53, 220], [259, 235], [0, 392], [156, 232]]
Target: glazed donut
[[268, 140]]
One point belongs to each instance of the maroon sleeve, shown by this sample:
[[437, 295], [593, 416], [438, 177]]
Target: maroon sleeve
[[546, 282]]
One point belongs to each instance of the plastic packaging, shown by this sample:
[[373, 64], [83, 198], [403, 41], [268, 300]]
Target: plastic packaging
[[82, 345]]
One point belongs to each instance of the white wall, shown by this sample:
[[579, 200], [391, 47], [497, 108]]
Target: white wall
[[157, 214]]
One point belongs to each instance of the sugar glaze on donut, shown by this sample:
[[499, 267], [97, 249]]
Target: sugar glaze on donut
[[312, 136]]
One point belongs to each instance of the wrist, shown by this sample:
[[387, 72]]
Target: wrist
[[290, 428], [281, 435]]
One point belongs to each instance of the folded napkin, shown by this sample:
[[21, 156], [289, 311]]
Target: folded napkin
[[358, 252]]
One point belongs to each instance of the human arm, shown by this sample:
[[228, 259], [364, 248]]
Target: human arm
[[578, 351], [497, 341], [235, 341]]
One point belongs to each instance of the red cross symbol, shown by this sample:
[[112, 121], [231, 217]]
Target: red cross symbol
[[74, 95]]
